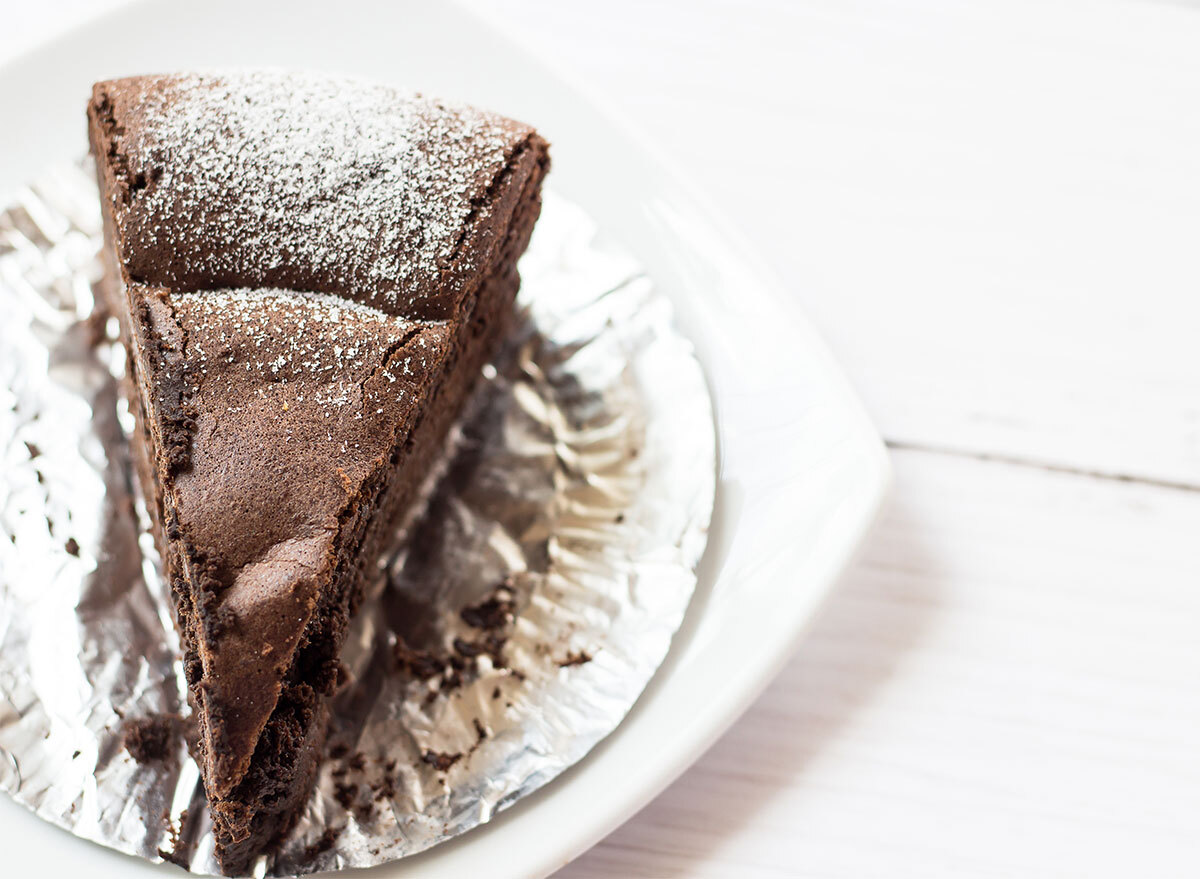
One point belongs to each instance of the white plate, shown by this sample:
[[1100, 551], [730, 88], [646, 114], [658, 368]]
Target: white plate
[[802, 471]]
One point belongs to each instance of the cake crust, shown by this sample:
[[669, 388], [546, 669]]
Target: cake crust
[[309, 275]]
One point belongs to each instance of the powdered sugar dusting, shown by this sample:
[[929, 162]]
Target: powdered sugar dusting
[[306, 181], [246, 343]]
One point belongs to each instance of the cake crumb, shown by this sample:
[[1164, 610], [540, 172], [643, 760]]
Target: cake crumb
[[385, 788], [440, 760], [150, 739], [492, 613], [575, 657], [418, 663], [323, 844], [344, 794]]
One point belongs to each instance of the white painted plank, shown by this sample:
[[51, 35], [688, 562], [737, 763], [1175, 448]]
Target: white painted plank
[[991, 210], [1005, 685]]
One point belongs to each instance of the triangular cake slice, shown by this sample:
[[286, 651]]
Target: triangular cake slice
[[309, 274]]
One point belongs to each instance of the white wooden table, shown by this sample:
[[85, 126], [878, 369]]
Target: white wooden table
[[992, 212]]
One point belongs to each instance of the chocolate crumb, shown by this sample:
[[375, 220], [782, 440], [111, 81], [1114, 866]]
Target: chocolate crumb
[[41, 477], [34, 451], [358, 761], [491, 613], [439, 760], [480, 732], [150, 739], [495, 649], [324, 844], [338, 751], [385, 788], [575, 657], [470, 649], [76, 754], [496, 692], [419, 663], [344, 794], [620, 518], [364, 809], [72, 546]]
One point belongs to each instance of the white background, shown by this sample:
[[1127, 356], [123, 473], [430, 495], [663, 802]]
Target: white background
[[992, 212]]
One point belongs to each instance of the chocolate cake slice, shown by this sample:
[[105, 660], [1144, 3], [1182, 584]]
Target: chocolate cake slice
[[309, 274]]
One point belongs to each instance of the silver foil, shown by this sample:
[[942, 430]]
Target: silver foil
[[581, 479]]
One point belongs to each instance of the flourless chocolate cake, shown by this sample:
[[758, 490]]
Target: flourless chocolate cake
[[309, 274]]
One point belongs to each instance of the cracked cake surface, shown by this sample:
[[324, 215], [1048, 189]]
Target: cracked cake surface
[[309, 273]]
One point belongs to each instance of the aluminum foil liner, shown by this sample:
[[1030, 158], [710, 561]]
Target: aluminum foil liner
[[519, 618]]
